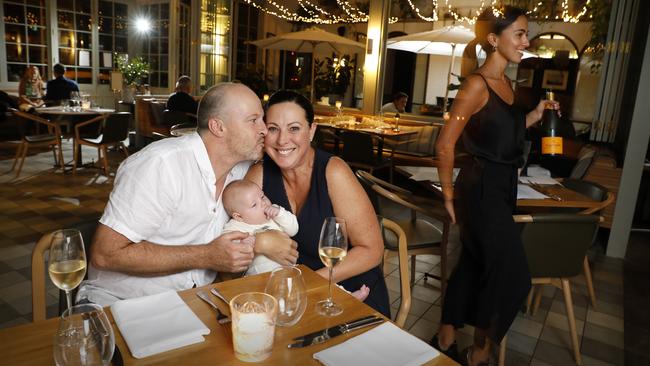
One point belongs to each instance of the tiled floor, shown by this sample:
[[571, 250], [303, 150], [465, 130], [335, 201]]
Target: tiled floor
[[44, 199]]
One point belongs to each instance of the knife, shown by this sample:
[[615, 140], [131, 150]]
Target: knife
[[325, 334]]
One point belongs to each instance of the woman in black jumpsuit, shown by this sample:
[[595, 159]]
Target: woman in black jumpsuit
[[491, 280]]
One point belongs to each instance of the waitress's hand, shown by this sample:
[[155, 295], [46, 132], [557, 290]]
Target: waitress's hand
[[449, 206], [535, 115]]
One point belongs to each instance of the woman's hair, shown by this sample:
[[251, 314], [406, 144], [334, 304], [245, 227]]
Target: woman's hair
[[493, 20], [282, 96], [29, 77]]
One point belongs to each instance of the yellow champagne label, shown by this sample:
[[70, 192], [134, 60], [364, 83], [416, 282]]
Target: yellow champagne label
[[551, 145]]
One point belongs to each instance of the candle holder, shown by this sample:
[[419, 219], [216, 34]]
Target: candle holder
[[339, 110], [396, 129]]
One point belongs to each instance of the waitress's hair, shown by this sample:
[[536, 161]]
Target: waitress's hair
[[493, 20], [282, 96]]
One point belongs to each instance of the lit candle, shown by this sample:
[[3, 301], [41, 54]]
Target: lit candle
[[265, 98], [338, 104]]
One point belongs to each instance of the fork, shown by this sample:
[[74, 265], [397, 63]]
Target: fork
[[218, 294], [545, 191], [221, 318]]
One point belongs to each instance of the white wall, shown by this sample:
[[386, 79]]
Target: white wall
[[436, 83]]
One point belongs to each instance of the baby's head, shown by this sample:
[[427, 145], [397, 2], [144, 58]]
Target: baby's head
[[245, 201]]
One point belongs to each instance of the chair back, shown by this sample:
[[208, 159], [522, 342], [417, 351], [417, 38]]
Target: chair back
[[358, 148], [367, 184], [87, 229], [586, 157], [590, 189], [404, 274], [116, 127], [556, 244], [171, 118]]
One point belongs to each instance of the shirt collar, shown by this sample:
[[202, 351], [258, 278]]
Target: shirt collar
[[201, 155]]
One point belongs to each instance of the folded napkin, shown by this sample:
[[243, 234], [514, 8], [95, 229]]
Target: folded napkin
[[386, 344], [157, 323]]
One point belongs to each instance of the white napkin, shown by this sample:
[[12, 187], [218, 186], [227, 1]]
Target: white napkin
[[526, 192], [157, 323], [386, 344]]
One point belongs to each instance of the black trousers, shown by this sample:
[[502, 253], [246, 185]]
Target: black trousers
[[491, 280]]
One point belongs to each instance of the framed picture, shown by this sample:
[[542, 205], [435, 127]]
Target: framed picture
[[525, 77], [555, 79]]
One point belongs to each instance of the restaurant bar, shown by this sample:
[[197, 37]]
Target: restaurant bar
[[319, 182]]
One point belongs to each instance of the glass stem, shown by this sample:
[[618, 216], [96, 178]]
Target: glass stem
[[68, 297], [329, 297]]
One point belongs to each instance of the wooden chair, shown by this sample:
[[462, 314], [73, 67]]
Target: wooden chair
[[358, 152], [404, 282], [114, 130], [87, 229], [556, 245], [423, 236], [52, 138]]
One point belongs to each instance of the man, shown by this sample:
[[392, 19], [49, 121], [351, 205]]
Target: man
[[60, 87], [397, 105], [161, 229], [181, 100]]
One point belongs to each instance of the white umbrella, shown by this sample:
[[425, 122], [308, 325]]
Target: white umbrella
[[310, 40], [450, 40]]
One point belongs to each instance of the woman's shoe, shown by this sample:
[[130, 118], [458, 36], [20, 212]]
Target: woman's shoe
[[465, 356], [451, 351]]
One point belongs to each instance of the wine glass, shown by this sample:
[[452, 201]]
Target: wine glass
[[332, 248], [67, 261], [84, 337], [288, 287]]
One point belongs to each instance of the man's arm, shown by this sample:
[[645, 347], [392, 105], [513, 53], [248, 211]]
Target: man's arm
[[115, 252]]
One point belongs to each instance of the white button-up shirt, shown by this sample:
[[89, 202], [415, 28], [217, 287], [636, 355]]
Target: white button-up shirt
[[165, 194]]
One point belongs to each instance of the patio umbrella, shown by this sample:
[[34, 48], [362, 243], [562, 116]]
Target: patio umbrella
[[450, 40], [310, 40]]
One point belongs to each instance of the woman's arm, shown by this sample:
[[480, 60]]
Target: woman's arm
[[535, 115], [471, 97], [350, 202]]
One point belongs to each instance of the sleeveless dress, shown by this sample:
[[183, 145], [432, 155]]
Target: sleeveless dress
[[317, 207], [491, 280]]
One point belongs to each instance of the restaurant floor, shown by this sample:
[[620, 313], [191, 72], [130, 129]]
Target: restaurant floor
[[44, 199]]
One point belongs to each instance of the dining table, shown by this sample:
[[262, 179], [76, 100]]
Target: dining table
[[382, 131], [32, 344], [556, 195]]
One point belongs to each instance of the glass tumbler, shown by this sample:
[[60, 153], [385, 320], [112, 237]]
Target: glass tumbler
[[253, 325]]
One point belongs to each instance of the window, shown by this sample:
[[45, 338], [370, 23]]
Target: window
[[215, 44], [113, 31], [184, 38], [25, 37], [75, 46], [247, 30], [156, 44]]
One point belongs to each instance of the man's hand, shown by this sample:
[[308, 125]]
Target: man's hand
[[272, 211], [277, 246], [230, 252]]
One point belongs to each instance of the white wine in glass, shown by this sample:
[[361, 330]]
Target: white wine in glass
[[332, 249], [67, 261]]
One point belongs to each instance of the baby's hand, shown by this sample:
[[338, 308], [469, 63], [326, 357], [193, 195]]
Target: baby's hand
[[272, 211]]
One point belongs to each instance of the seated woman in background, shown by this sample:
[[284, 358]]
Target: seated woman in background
[[30, 89], [313, 185]]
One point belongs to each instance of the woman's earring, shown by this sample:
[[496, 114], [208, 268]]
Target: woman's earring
[[495, 48]]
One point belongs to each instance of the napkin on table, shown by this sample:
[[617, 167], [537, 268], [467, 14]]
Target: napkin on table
[[385, 344], [157, 323]]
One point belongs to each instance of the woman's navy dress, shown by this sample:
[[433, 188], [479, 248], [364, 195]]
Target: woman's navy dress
[[491, 280], [317, 207]]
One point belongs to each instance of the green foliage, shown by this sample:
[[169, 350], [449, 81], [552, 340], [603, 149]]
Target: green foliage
[[134, 70], [254, 79], [331, 77], [453, 86]]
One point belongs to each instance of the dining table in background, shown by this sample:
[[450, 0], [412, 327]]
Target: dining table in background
[[558, 195], [32, 344]]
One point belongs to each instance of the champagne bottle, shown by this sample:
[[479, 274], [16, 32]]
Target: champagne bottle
[[551, 130]]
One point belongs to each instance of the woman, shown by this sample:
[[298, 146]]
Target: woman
[[314, 185], [491, 280], [30, 89]]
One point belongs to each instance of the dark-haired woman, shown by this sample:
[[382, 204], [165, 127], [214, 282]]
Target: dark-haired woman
[[313, 185], [491, 280]]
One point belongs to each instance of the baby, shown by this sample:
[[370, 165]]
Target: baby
[[252, 212]]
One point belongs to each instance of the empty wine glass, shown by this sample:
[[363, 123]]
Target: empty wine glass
[[84, 337], [67, 261], [332, 248], [288, 287]]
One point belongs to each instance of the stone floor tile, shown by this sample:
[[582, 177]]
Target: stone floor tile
[[602, 351], [554, 355], [605, 320], [604, 335], [521, 343]]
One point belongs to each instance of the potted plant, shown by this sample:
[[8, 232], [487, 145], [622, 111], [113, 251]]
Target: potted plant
[[333, 76], [133, 72]]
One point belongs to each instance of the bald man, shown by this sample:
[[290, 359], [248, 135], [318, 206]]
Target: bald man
[[181, 100], [162, 227]]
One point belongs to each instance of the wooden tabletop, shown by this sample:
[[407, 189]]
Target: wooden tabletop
[[569, 198], [382, 132], [69, 112], [31, 344]]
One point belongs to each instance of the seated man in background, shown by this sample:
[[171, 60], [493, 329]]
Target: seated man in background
[[181, 100], [60, 87], [397, 105], [162, 228]]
